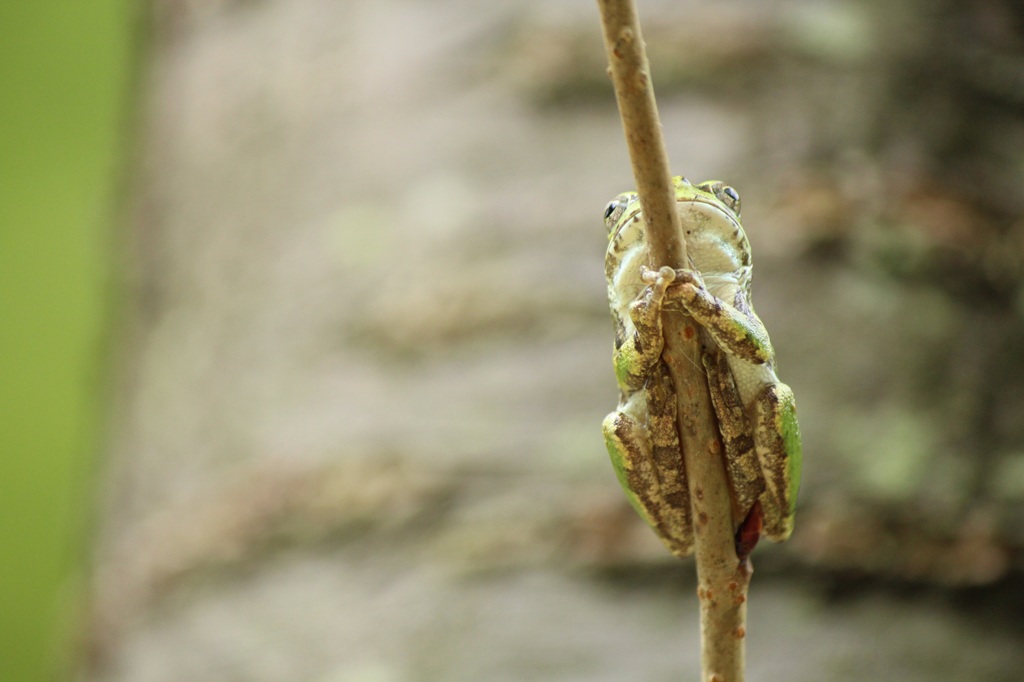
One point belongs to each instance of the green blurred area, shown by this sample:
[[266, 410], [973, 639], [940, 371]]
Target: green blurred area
[[65, 76]]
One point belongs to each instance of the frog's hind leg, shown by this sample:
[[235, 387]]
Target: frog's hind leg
[[779, 452], [648, 461], [741, 462]]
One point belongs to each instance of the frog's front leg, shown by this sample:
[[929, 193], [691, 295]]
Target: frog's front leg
[[638, 344], [734, 326], [644, 446]]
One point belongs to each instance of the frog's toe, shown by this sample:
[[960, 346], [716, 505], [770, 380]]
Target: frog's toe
[[660, 278], [687, 276], [686, 286]]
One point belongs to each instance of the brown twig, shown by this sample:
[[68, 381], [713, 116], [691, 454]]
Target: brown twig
[[722, 578]]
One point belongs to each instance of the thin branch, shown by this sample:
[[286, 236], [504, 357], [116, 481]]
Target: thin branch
[[722, 578]]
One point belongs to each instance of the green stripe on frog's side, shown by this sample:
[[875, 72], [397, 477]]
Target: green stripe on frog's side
[[640, 435], [794, 448], [619, 464]]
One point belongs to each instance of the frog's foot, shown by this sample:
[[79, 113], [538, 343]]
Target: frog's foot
[[660, 278], [674, 285], [688, 285], [688, 276], [646, 311]]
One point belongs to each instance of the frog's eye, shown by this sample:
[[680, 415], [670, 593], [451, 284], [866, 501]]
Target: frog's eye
[[724, 193], [730, 198], [612, 213]]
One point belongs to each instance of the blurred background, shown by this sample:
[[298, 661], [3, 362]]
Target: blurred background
[[305, 345]]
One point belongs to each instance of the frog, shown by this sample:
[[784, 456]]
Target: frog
[[755, 412]]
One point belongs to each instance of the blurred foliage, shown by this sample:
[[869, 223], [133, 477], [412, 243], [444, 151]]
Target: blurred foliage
[[308, 431], [65, 74]]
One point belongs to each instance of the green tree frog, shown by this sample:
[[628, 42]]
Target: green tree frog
[[756, 412]]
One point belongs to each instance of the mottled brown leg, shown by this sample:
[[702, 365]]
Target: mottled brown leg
[[742, 465]]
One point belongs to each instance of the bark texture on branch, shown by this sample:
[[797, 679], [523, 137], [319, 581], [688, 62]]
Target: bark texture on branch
[[722, 578]]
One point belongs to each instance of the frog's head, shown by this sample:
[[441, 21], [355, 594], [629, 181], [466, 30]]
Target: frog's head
[[715, 240]]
